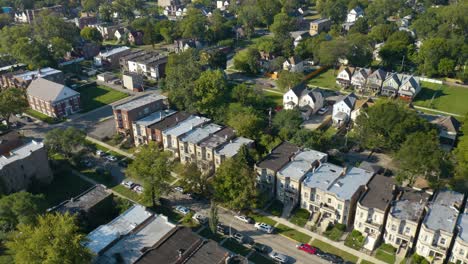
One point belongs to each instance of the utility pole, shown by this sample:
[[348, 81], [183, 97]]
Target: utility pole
[[402, 63]]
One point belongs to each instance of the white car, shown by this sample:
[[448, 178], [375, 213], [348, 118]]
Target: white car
[[323, 110], [183, 210], [128, 184], [200, 218], [111, 158], [244, 219], [281, 258], [264, 227], [138, 188], [179, 189], [100, 153]]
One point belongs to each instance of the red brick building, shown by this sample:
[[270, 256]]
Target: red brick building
[[52, 99]]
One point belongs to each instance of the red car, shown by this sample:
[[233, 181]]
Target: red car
[[307, 248]]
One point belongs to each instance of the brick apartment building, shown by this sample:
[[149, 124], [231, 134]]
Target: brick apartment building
[[22, 78], [126, 113], [52, 99]]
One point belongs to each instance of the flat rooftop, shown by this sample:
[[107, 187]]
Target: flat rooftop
[[170, 121], [410, 205], [301, 164], [130, 248], [85, 201], [463, 225], [186, 126], [20, 153], [346, 186], [323, 176], [113, 51], [321, 20], [443, 211], [154, 117], [103, 236], [140, 101], [218, 138], [230, 149], [200, 133], [380, 192], [29, 75], [278, 156]]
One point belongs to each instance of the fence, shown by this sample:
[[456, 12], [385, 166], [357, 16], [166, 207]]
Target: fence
[[429, 80], [315, 73]]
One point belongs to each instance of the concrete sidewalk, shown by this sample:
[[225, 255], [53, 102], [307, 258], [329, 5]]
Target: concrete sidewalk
[[340, 245], [117, 150]]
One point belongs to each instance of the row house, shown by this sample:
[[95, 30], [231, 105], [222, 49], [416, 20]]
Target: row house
[[372, 209], [375, 81], [331, 192], [111, 58], [149, 64], [460, 247], [128, 112], [205, 150], [343, 109], [438, 226], [188, 143], [230, 149], [52, 99], [140, 127], [21, 78], [267, 169], [154, 131], [306, 100]]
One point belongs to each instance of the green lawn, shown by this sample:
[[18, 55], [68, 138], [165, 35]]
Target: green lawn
[[276, 208], [300, 217], [325, 79], [366, 262], [333, 250], [450, 99], [95, 96], [275, 98], [335, 232], [386, 253], [355, 240], [260, 259], [262, 219], [206, 233], [235, 247], [42, 117], [292, 233], [124, 191]]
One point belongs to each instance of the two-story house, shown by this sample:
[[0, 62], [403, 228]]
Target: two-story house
[[154, 131], [149, 64], [438, 226], [140, 127], [307, 101], [320, 25], [344, 76], [390, 85], [293, 64], [172, 135], [205, 149], [230, 149], [267, 168], [188, 143], [409, 87], [290, 177], [342, 109], [330, 193], [372, 209], [375, 81], [354, 14], [404, 218], [359, 78], [459, 253]]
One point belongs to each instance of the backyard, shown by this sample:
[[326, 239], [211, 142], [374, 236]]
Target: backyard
[[95, 96], [275, 98], [445, 98], [325, 79]]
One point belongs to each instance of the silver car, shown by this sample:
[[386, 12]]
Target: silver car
[[280, 258]]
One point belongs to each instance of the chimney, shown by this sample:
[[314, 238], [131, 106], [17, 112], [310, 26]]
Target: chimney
[[343, 173], [177, 119]]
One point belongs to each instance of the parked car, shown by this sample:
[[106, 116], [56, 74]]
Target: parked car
[[239, 237], [200, 218], [182, 209], [196, 196], [281, 258], [332, 258], [111, 158], [244, 219], [323, 110], [222, 229], [179, 189], [261, 248], [138, 188], [264, 227], [128, 184], [307, 248], [100, 153], [123, 163]]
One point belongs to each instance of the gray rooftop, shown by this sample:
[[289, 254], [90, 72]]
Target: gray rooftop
[[278, 156], [29, 75], [323, 176], [301, 164], [230, 149], [154, 117], [443, 211], [50, 91], [130, 248], [218, 138], [346, 186], [140, 101], [186, 126], [379, 193], [410, 205], [200, 133], [20, 153], [463, 225], [113, 51], [104, 235], [84, 201]]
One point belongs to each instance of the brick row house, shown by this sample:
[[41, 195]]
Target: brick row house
[[52, 99]]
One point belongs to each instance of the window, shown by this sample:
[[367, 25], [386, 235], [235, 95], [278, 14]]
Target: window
[[339, 207], [329, 200], [361, 215], [407, 229], [442, 241], [317, 197], [306, 195], [393, 227]]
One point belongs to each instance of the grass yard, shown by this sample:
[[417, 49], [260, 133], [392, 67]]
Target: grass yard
[[335, 232], [206, 233], [325, 79], [42, 117], [95, 96], [262, 219], [63, 187], [355, 240], [275, 98], [300, 217], [386, 253], [260, 259], [333, 250], [292, 233], [366, 262], [450, 99], [124, 191], [276, 208], [235, 247]]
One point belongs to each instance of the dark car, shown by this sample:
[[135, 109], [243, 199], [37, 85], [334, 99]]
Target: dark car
[[332, 258], [123, 163], [239, 237], [222, 229], [196, 196], [260, 247]]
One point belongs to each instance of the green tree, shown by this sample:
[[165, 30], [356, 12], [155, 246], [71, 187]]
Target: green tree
[[247, 60], [446, 67], [105, 12], [392, 53], [245, 95], [64, 141], [12, 101], [361, 26], [214, 219], [381, 32], [460, 180], [193, 180], [151, 165], [234, 184], [19, 208], [330, 51], [430, 54], [312, 139], [194, 24], [245, 120], [91, 34], [91, 5], [282, 24], [54, 239], [360, 50], [287, 123], [288, 80], [248, 16], [210, 91], [336, 10]]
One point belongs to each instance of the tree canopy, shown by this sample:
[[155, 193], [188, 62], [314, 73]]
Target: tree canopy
[[19, 208], [64, 141], [12, 101]]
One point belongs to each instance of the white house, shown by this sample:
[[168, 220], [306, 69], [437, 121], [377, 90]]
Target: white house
[[308, 101], [299, 36], [222, 5], [409, 87], [343, 108], [344, 76], [354, 14], [359, 78], [293, 64]]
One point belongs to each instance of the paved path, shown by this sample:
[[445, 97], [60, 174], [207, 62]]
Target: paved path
[[437, 111], [117, 150]]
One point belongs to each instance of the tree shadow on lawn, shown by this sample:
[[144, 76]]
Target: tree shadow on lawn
[[428, 94]]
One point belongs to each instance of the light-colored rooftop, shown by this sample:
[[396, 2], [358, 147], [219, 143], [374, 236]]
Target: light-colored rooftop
[[463, 225], [200, 133], [113, 51], [20, 153], [154, 117], [323, 176], [50, 91], [104, 235], [442, 212], [140, 101], [130, 247], [301, 164], [345, 186], [186, 126], [410, 204], [230, 149], [29, 75]]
